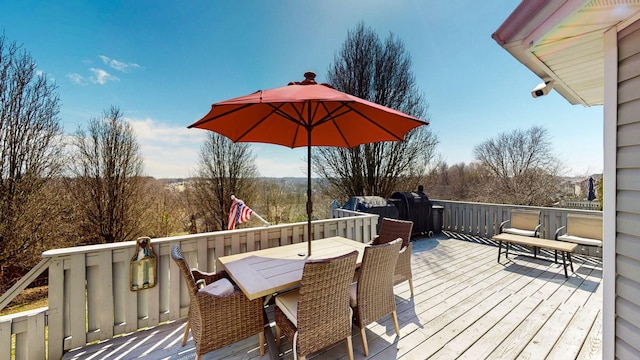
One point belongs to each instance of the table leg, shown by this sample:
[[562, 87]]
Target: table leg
[[274, 353], [499, 249], [564, 265]]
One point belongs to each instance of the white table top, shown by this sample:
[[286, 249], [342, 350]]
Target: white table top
[[264, 272]]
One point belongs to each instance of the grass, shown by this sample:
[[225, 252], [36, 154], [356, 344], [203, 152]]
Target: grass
[[28, 299]]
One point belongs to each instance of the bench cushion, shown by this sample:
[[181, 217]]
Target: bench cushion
[[522, 232], [580, 240]]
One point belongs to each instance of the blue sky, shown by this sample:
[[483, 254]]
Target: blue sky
[[163, 63]]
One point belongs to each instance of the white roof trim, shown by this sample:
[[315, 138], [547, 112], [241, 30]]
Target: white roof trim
[[558, 39]]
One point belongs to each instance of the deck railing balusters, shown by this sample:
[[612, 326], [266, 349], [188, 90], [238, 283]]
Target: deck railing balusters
[[90, 300]]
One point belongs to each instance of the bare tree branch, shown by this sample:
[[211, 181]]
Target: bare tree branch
[[30, 150], [225, 168], [380, 72], [108, 181], [521, 167]]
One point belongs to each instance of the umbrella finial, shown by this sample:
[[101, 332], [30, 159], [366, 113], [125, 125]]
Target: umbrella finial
[[309, 79]]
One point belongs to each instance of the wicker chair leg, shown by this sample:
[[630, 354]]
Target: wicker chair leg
[[394, 316], [350, 348], [186, 334], [411, 286], [363, 337], [261, 341]]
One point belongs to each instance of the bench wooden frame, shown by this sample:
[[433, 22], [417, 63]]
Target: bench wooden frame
[[565, 247]]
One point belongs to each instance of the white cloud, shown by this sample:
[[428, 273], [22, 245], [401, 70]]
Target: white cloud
[[77, 79], [48, 76], [172, 152], [119, 65], [168, 151], [274, 168], [101, 77]]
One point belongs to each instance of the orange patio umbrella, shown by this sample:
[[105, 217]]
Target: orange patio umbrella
[[306, 114]]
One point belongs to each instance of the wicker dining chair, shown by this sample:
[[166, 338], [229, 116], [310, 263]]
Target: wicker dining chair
[[391, 229], [372, 295], [317, 314], [216, 321]]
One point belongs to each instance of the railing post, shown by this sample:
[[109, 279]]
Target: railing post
[[56, 308]]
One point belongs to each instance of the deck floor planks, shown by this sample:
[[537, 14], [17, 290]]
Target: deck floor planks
[[466, 305], [512, 345], [497, 332], [592, 347], [490, 278], [386, 328], [465, 339], [574, 299]]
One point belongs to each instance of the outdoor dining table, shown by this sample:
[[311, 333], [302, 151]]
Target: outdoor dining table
[[263, 273]]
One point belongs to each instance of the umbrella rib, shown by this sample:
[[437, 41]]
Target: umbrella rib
[[378, 125], [204, 121], [331, 117], [297, 121], [275, 110]]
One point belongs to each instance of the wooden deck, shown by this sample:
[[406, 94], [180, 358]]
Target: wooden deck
[[466, 306]]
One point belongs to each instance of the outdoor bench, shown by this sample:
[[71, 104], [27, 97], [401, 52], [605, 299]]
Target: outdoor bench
[[565, 247]]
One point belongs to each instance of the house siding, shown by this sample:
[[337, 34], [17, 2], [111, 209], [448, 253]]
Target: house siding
[[627, 303]]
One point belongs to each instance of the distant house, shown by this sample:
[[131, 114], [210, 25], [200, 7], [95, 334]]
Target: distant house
[[589, 52]]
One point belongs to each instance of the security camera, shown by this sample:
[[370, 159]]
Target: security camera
[[542, 89]]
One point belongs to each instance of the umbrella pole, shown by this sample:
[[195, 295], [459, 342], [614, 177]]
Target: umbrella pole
[[309, 202]]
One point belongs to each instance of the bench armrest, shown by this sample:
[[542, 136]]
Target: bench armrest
[[558, 231], [502, 224], [536, 230]]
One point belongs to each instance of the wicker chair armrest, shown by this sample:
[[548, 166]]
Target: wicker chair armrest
[[208, 278], [200, 283], [403, 266]]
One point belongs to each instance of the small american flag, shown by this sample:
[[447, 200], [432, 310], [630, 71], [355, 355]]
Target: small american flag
[[239, 213]]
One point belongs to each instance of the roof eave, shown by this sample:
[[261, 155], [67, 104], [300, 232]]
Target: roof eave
[[526, 26]]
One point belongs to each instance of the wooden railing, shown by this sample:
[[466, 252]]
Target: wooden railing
[[484, 220], [89, 296], [90, 300]]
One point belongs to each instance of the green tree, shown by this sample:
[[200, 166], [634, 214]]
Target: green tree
[[378, 71]]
